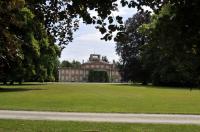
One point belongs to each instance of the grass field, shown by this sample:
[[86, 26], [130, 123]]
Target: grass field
[[55, 126], [99, 98]]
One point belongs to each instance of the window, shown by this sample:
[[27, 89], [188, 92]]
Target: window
[[117, 73], [81, 78], [77, 71], [66, 78], [87, 72], [81, 72], [113, 73], [62, 78]]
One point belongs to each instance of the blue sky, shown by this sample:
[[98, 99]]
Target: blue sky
[[87, 41]]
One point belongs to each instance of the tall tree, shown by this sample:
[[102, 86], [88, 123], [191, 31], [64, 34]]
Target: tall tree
[[173, 50], [129, 48], [24, 43]]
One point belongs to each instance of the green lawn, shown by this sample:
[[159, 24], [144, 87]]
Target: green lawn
[[59, 126], [100, 98]]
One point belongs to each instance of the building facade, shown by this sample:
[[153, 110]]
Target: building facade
[[95, 63]]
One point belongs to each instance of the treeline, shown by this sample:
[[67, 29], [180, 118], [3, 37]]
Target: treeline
[[73, 64], [163, 48]]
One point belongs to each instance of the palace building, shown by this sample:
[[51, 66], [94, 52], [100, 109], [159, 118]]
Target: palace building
[[95, 63]]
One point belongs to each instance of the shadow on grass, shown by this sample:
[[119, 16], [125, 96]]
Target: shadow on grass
[[30, 84], [24, 84], [157, 87], [19, 89]]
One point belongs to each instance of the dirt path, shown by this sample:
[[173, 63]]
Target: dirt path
[[102, 117]]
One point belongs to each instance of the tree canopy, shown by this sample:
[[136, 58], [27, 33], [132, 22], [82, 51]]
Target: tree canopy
[[128, 47], [171, 52], [27, 52]]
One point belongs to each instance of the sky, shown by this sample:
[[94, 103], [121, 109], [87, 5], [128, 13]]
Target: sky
[[87, 41]]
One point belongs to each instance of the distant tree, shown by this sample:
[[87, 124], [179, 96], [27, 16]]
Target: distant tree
[[76, 64], [65, 63], [73, 64], [129, 49]]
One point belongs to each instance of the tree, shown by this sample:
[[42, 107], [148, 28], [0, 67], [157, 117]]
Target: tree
[[76, 64], [129, 48], [65, 63], [25, 45], [61, 17], [73, 64], [172, 53]]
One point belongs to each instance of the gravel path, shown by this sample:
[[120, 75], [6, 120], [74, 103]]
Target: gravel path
[[102, 117]]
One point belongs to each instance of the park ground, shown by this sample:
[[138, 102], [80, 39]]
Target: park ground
[[109, 98], [106, 98]]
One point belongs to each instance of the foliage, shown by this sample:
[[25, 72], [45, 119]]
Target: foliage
[[129, 49], [172, 53], [65, 63], [76, 64], [98, 76], [61, 17], [73, 64], [27, 52]]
